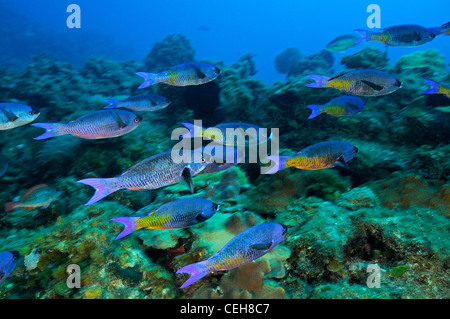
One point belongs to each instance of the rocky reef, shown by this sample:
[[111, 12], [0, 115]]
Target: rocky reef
[[390, 209]]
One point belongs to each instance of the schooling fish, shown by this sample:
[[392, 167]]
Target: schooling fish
[[142, 102], [408, 35], [317, 156], [342, 43], [40, 196], [218, 133], [436, 88], [4, 164], [363, 82], [177, 214], [341, 106], [96, 125], [248, 245], [154, 172], [8, 261], [13, 115], [193, 73]]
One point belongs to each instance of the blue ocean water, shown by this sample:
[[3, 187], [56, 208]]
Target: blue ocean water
[[222, 30], [361, 186]]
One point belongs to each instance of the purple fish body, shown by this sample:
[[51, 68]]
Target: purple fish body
[[95, 125], [8, 261], [141, 102], [180, 213], [192, 73], [248, 245], [154, 172], [13, 115]]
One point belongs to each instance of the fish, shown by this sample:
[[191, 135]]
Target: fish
[[407, 35], [4, 164], [192, 73], [443, 29], [218, 133], [317, 156], [141, 102], [362, 82], [342, 43], [95, 125], [436, 88], [248, 245], [340, 106], [180, 213], [13, 115], [157, 171], [39, 196], [8, 261]]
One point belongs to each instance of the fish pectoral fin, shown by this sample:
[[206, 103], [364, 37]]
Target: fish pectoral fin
[[341, 162], [261, 246], [374, 86], [199, 73], [120, 122], [200, 217], [186, 174], [11, 117]]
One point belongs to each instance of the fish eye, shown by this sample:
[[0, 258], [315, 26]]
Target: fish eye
[[14, 259], [203, 160], [32, 112], [432, 35], [216, 70], [355, 150]]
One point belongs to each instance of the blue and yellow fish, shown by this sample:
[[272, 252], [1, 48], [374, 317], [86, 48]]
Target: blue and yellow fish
[[340, 106], [318, 156], [192, 73], [436, 88], [248, 245], [177, 214]]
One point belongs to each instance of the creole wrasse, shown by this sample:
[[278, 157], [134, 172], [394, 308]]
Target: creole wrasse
[[151, 173], [340, 106], [177, 214], [436, 88], [8, 261], [408, 35], [141, 102], [95, 125], [342, 43], [318, 156], [362, 82], [192, 73], [248, 245]]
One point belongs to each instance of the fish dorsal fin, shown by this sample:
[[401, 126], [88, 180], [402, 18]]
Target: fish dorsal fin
[[120, 122], [186, 174], [11, 117], [374, 86], [261, 246], [31, 190], [199, 72]]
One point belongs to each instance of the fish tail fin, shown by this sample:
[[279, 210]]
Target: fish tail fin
[[366, 36], [192, 130], [321, 81], [315, 108], [112, 104], [197, 271], [149, 79], [130, 225], [433, 87], [53, 129], [10, 206], [103, 187], [280, 163]]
